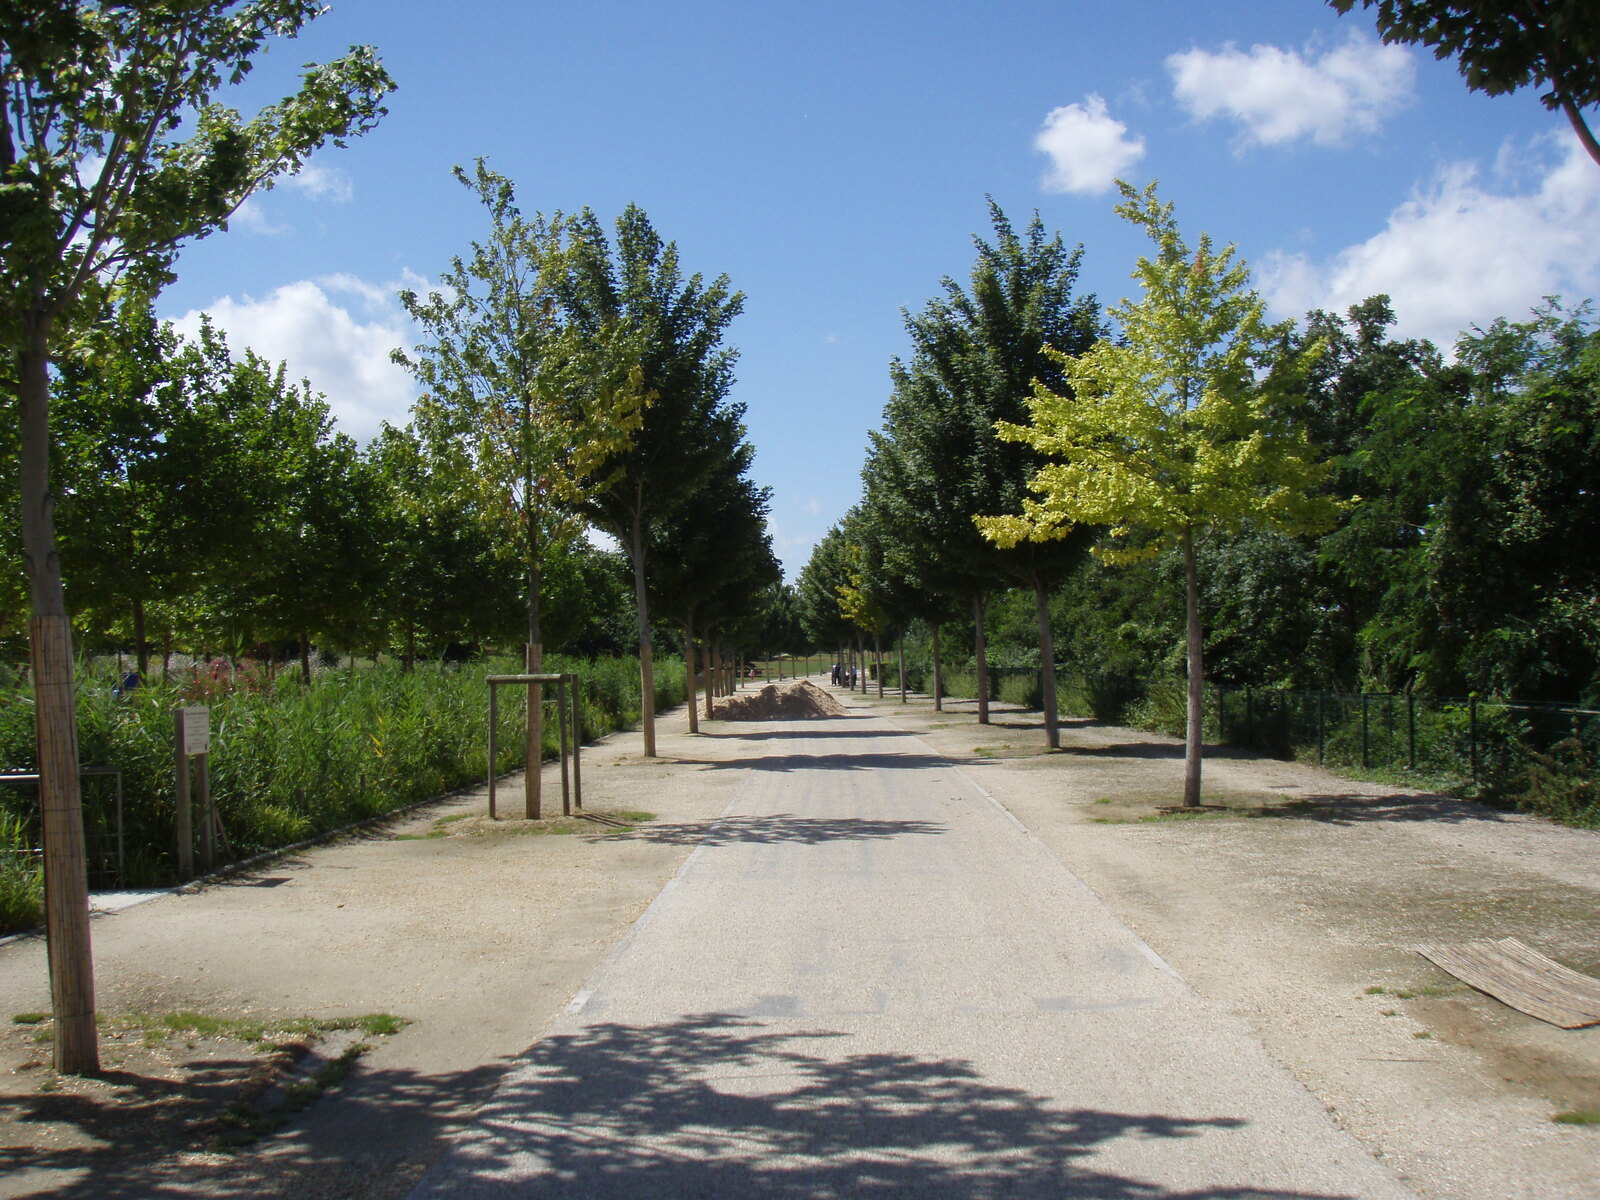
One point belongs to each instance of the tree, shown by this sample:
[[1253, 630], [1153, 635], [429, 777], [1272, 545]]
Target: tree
[[534, 403], [978, 350], [1501, 47], [711, 561], [112, 153], [1176, 429], [670, 333]]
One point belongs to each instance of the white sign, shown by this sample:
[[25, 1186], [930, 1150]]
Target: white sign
[[194, 725]]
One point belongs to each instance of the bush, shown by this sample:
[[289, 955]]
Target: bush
[[1022, 688], [21, 879], [1562, 785], [1163, 709]]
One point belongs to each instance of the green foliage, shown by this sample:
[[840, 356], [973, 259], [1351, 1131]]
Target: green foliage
[[1179, 426], [290, 761], [21, 877], [1563, 784], [1500, 47]]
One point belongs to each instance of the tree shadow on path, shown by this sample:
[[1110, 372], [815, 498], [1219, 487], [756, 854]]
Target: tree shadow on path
[[722, 1106], [780, 828]]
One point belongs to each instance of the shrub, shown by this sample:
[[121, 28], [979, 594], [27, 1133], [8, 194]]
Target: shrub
[[1562, 785]]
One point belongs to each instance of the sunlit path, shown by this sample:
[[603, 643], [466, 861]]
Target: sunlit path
[[869, 980]]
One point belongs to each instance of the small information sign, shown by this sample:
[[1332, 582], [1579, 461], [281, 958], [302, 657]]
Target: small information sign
[[194, 726]]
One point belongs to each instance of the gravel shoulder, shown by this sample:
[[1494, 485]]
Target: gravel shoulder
[[1294, 908]]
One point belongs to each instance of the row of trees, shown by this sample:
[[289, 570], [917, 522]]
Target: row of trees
[[183, 491], [1175, 485]]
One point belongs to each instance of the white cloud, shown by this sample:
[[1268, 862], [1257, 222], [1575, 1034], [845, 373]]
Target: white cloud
[[1281, 96], [321, 183], [1088, 148], [1460, 253], [250, 217], [344, 355]]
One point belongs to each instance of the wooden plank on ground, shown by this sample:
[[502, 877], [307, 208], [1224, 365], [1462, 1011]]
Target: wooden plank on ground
[[1522, 978]]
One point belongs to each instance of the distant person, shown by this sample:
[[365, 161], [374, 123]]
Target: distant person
[[130, 682]]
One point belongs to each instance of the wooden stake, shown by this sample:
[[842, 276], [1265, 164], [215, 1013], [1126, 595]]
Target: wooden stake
[[66, 880], [535, 735]]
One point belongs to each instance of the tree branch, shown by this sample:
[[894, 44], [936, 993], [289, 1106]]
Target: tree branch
[[1580, 127]]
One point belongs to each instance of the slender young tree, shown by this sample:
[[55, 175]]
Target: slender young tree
[[534, 403], [114, 151], [1177, 428]]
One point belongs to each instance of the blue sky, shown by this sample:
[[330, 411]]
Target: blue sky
[[833, 160]]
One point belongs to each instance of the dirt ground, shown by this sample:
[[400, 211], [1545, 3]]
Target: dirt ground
[[1297, 898]]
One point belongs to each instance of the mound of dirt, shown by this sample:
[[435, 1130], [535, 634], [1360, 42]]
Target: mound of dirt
[[791, 700]]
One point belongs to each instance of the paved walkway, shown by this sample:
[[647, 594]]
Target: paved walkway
[[871, 981]]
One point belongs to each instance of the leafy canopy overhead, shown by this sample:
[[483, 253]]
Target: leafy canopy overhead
[[1501, 47], [112, 150], [1177, 427]]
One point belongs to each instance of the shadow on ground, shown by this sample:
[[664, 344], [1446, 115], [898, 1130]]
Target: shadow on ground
[[385, 1125], [718, 1105], [780, 828]]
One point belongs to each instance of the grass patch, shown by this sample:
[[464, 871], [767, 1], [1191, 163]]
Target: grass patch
[[1422, 1034], [29, 1018], [1578, 1116], [263, 1033]]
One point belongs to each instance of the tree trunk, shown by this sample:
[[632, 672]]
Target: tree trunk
[[66, 887], [938, 673], [900, 644], [647, 668], [1047, 662], [711, 678], [411, 643], [980, 655], [533, 733], [305, 657], [141, 647], [1195, 744], [877, 653], [688, 670]]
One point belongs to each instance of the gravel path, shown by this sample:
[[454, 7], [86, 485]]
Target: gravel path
[[870, 980]]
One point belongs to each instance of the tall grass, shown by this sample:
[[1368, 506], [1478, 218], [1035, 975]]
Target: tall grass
[[289, 761]]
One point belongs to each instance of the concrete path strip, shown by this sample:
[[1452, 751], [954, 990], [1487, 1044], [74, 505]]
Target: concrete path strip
[[870, 981]]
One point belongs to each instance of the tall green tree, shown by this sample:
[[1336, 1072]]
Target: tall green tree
[[535, 403], [1176, 429], [113, 151], [710, 562], [670, 333], [977, 352], [1501, 47]]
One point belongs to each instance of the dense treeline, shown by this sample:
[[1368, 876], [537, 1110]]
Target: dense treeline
[[1348, 510], [208, 505]]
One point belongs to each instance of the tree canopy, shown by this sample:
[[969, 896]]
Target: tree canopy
[[1501, 47]]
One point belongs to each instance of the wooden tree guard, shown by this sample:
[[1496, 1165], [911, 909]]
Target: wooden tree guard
[[569, 715], [66, 879]]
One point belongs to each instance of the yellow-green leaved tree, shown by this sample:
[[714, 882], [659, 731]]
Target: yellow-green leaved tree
[[1178, 428]]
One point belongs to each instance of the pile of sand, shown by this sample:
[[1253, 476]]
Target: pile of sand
[[791, 700]]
